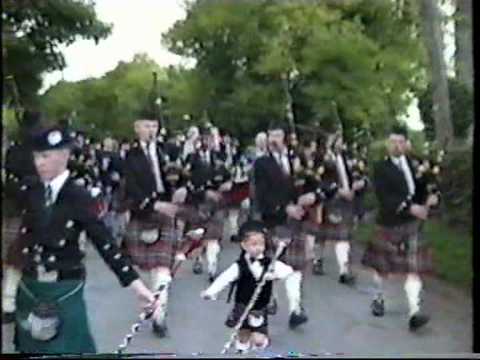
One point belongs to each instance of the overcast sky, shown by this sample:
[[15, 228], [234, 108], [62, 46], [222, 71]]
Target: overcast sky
[[137, 27]]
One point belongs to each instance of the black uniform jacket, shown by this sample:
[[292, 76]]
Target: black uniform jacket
[[274, 189], [49, 236], [140, 187], [391, 190]]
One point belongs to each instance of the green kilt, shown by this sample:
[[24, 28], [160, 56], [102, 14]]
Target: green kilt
[[74, 333]]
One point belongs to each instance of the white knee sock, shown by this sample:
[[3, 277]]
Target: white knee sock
[[342, 250], [243, 347], [378, 280], [11, 280], [309, 247], [159, 279], [293, 288], [262, 346], [413, 286], [213, 249]]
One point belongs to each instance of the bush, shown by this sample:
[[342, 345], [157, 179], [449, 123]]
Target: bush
[[456, 185]]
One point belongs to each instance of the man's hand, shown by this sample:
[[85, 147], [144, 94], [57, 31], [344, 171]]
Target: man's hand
[[213, 195], [358, 185], [346, 194], [295, 212], [165, 208], [179, 196], [206, 296], [180, 257], [432, 200], [145, 296], [420, 212], [307, 199], [225, 187]]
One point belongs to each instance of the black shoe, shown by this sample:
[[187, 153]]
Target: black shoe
[[211, 278], [272, 307], [8, 317], [417, 321], [378, 307], [297, 319], [197, 267], [347, 279], [318, 267], [160, 329]]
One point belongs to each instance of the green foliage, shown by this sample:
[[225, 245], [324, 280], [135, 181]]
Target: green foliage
[[33, 31], [362, 54], [461, 103], [456, 186], [107, 105]]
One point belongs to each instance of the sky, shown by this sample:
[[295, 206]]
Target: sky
[[137, 27]]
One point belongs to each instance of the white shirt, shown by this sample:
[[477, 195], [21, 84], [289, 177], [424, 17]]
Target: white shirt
[[152, 150], [408, 174], [206, 156], [282, 159], [280, 271], [342, 172], [57, 183]]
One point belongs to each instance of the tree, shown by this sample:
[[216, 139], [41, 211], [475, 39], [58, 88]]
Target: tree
[[461, 102], [109, 103], [433, 37], [463, 42], [33, 32], [364, 55]]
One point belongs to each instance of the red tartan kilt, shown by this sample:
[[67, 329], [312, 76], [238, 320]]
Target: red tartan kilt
[[399, 250], [149, 256], [238, 193]]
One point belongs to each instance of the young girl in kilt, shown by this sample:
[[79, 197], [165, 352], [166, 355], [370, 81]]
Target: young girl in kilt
[[247, 272]]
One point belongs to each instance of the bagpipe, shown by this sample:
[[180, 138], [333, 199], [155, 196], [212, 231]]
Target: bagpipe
[[428, 169]]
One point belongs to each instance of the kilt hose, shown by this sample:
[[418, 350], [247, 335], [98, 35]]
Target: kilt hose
[[74, 335], [162, 252], [399, 250], [10, 230]]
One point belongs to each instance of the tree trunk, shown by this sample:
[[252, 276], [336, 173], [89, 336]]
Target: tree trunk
[[433, 37], [463, 42]]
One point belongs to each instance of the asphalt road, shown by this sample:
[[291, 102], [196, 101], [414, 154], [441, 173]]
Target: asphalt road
[[340, 322]]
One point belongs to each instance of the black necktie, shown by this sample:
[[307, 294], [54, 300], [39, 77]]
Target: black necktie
[[48, 196]]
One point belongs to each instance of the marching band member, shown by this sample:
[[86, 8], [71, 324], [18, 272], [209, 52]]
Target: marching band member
[[277, 203], [151, 238], [51, 314], [246, 273], [397, 247]]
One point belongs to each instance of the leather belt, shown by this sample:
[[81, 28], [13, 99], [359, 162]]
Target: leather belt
[[56, 275]]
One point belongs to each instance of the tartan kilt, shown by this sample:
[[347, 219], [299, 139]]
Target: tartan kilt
[[342, 231], [214, 224], [236, 313], [295, 253], [239, 192], [159, 254], [10, 230], [74, 332], [399, 250], [310, 225]]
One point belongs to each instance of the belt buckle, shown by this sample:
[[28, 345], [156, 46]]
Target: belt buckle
[[46, 276]]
